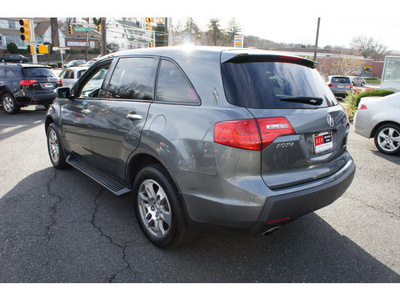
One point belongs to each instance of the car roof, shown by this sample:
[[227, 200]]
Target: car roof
[[23, 65]]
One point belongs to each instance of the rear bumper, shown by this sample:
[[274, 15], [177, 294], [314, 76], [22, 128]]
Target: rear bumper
[[253, 211], [35, 98], [288, 207]]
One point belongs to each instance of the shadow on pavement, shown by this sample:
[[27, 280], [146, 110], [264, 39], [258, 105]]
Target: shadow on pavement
[[60, 226]]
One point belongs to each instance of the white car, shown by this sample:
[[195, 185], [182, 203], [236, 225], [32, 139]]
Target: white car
[[71, 75], [379, 118]]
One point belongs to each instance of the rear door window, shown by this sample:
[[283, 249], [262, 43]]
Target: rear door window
[[275, 85]]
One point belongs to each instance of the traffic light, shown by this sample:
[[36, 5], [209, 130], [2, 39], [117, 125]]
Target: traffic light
[[25, 30], [70, 29], [99, 28], [148, 23]]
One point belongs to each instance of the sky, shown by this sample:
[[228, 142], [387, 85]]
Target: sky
[[286, 21]]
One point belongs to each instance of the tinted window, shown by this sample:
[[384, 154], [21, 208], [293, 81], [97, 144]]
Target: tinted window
[[340, 79], [11, 73], [173, 86], [38, 72], [2, 72], [133, 78], [265, 84]]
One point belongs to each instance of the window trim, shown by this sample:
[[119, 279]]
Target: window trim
[[198, 103]]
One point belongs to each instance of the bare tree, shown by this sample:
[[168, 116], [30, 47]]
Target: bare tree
[[339, 64], [369, 48]]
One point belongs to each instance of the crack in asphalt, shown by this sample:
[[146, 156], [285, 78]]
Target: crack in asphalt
[[392, 214], [53, 207], [112, 277]]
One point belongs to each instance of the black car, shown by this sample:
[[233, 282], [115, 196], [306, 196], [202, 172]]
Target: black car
[[17, 58], [24, 84]]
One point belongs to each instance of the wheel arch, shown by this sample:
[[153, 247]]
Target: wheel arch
[[377, 126]]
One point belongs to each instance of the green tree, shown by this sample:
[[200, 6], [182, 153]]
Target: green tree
[[192, 31], [232, 30], [215, 35], [159, 34], [12, 48]]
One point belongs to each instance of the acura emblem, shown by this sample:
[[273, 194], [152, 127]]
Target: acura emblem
[[331, 120]]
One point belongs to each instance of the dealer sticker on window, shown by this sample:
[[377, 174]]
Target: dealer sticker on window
[[323, 142]]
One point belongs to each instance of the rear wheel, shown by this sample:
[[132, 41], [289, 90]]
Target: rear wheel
[[387, 139], [9, 104], [159, 209]]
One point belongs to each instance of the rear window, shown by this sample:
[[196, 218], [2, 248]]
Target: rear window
[[275, 85], [38, 72], [340, 80]]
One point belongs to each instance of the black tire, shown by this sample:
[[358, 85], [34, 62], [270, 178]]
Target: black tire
[[161, 216], [387, 139], [55, 148], [9, 104]]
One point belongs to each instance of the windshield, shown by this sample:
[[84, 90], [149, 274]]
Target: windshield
[[275, 85]]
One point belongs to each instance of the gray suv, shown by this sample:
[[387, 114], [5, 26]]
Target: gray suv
[[205, 136]]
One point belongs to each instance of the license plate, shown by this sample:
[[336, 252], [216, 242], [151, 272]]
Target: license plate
[[341, 86], [48, 85], [323, 142]]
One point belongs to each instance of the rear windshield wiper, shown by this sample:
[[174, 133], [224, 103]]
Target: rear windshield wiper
[[305, 100]]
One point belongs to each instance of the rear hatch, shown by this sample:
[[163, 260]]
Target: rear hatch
[[39, 79], [302, 127]]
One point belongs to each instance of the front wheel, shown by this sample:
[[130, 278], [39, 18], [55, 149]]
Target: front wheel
[[387, 139], [159, 209], [54, 146]]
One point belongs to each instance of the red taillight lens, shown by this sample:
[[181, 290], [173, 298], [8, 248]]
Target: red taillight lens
[[251, 134], [271, 128], [349, 86], [362, 106], [332, 85], [28, 82], [239, 134], [60, 82]]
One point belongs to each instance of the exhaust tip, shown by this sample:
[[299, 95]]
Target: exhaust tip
[[271, 230]]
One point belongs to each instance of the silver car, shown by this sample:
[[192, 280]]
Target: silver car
[[358, 81], [340, 85], [71, 75], [379, 118], [205, 136]]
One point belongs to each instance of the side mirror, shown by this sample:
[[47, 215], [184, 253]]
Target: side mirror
[[63, 92]]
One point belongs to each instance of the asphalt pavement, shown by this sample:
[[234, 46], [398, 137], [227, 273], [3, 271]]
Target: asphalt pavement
[[61, 226]]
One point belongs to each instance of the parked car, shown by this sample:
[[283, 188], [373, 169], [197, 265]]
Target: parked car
[[205, 136], [340, 85], [15, 58], [357, 80], [25, 84], [71, 75], [74, 63], [379, 118]]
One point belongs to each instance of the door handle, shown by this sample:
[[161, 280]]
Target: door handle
[[85, 111], [134, 116]]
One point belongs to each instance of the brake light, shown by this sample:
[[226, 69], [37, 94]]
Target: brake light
[[362, 106], [251, 134], [28, 82], [332, 85], [59, 81], [349, 86]]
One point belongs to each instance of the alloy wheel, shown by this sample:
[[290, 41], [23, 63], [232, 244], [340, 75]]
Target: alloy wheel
[[154, 208], [8, 104], [54, 148], [389, 139]]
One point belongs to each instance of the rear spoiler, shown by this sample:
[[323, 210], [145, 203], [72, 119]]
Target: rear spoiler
[[247, 57]]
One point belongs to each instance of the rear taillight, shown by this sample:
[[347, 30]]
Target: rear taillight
[[251, 134], [362, 106], [59, 81], [28, 82], [349, 86], [332, 85]]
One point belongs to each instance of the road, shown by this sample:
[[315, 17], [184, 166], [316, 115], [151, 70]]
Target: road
[[60, 226]]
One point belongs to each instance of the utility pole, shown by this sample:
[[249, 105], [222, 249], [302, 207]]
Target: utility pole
[[316, 40], [103, 36], [33, 42]]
